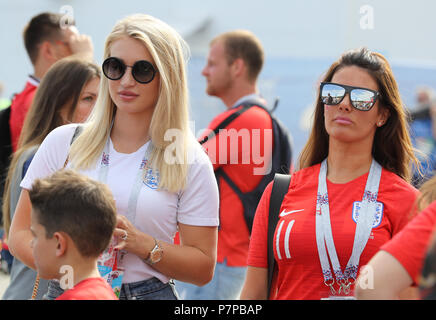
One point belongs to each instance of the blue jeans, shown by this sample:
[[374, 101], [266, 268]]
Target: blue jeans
[[150, 289], [226, 284], [54, 290]]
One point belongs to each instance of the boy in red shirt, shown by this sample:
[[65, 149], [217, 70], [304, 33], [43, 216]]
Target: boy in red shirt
[[72, 222]]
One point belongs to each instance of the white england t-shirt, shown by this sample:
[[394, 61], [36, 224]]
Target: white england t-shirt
[[158, 212]]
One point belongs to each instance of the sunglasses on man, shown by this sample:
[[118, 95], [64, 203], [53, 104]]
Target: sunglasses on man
[[362, 99], [142, 71]]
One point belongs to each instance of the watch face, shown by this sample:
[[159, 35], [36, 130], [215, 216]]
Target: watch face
[[156, 254]]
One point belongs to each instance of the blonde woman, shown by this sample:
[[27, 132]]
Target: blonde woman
[[137, 140]]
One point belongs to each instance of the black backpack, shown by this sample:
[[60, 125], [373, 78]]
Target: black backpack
[[281, 159], [5, 152]]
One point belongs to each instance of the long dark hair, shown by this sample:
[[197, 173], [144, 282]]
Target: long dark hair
[[60, 89], [392, 147]]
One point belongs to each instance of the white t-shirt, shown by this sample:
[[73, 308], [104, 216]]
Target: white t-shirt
[[158, 212]]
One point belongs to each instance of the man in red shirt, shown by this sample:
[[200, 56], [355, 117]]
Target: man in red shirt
[[242, 152], [46, 40]]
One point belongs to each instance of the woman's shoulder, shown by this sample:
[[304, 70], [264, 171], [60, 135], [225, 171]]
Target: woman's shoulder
[[396, 188], [305, 175], [392, 181], [57, 143], [51, 154], [196, 154], [198, 163], [63, 132]]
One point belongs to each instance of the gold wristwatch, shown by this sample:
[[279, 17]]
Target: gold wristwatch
[[155, 254]]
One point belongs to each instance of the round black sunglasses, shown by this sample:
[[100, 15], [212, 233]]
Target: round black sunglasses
[[142, 71]]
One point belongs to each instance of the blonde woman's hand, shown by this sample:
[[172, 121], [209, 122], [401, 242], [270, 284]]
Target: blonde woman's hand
[[131, 239]]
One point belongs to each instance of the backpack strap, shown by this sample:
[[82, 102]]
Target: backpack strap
[[5, 140], [223, 124], [242, 108], [279, 189], [77, 132]]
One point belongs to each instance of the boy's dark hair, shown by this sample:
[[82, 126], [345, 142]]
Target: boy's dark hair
[[77, 205], [43, 27]]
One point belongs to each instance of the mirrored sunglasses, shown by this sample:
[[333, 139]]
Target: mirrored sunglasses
[[362, 99]]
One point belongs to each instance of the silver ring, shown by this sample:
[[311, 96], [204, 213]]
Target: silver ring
[[124, 236]]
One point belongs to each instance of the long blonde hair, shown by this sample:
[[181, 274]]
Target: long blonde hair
[[170, 53]]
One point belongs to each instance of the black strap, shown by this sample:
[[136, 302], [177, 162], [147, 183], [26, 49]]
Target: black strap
[[77, 132], [223, 124], [279, 189]]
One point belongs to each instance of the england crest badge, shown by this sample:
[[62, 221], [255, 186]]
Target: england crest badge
[[378, 215]]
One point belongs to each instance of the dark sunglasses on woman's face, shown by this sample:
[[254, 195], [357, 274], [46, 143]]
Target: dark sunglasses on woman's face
[[361, 98], [142, 71]]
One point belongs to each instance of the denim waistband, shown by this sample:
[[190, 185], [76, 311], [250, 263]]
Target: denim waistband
[[150, 289]]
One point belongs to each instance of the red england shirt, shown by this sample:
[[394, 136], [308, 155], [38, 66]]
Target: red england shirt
[[299, 273]]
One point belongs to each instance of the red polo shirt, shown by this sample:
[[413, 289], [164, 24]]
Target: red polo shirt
[[19, 107]]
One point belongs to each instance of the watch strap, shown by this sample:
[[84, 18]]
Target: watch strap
[[150, 260]]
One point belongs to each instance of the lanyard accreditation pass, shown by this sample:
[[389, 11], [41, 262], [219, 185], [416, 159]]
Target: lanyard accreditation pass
[[109, 260], [324, 236]]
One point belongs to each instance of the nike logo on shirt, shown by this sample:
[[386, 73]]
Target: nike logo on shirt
[[285, 213]]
